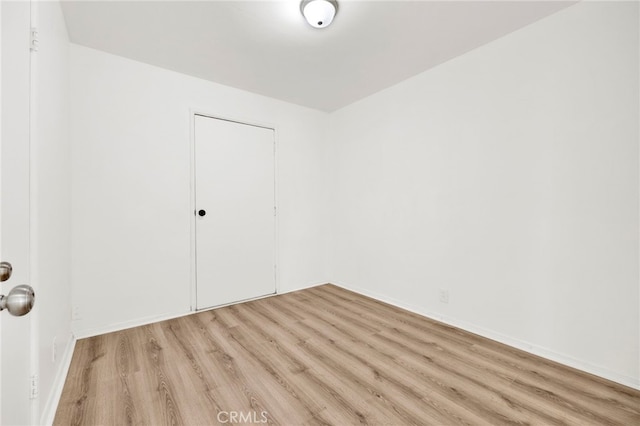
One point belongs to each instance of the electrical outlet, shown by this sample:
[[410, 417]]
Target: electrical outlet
[[444, 295], [54, 349]]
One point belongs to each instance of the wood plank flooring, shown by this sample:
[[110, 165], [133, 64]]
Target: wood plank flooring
[[325, 356]]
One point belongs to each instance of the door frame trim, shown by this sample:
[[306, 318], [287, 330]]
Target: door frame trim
[[34, 277], [193, 112]]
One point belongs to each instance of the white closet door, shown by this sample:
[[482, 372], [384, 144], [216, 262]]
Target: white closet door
[[235, 219]]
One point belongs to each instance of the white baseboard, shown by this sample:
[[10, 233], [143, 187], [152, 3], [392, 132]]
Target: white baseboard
[[291, 290], [123, 325], [490, 334], [549, 354], [136, 322], [49, 412]]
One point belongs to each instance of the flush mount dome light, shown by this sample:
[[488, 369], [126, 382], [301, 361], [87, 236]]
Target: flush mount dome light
[[318, 13]]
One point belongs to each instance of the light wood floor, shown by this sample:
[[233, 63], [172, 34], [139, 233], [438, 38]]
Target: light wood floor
[[325, 356]]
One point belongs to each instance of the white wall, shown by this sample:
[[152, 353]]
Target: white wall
[[51, 158], [509, 177], [131, 187]]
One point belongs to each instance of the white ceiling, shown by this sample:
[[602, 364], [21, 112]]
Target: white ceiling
[[266, 47]]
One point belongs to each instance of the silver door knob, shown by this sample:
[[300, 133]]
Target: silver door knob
[[19, 301], [5, 271]]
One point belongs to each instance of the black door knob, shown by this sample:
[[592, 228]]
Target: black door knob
[[201, 212]]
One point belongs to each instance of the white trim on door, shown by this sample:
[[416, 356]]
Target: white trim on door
[[34, 278]]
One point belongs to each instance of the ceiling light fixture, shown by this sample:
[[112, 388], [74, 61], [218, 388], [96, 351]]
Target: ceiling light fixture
[[319, 13]]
